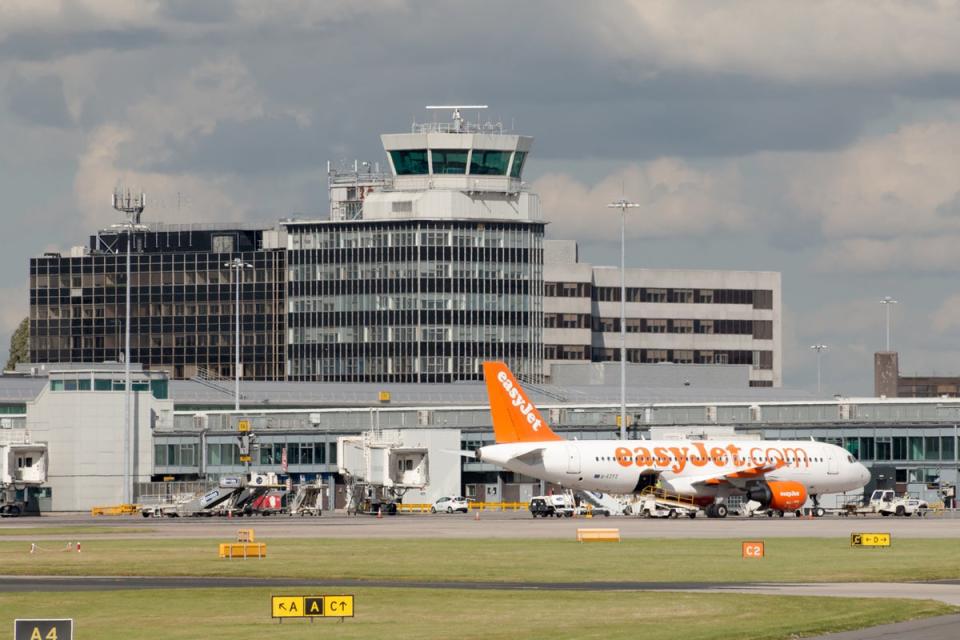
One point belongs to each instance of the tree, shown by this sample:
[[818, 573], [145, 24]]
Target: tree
[[19, 345]]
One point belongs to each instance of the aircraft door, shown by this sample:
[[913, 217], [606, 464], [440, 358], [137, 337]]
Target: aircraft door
[[833, 465], [573, 459]]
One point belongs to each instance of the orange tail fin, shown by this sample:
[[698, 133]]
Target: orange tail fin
[[515, 419]]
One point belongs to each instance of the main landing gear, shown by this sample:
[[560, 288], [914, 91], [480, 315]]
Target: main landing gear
[[716, 510]]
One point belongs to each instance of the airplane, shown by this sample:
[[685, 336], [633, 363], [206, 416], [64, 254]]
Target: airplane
[[779, 474]]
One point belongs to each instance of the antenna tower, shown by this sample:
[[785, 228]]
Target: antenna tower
[[129, 204]]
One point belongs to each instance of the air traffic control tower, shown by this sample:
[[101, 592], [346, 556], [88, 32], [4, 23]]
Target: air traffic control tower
[[424, 271]]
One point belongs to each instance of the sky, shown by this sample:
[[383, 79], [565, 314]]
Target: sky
[[820, 139]]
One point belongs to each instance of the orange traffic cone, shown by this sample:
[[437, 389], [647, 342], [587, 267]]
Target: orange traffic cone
[[379, 513], [78, 546]]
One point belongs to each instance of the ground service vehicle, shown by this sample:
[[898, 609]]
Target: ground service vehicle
[[888, 503], [778, 474], [560, 505]]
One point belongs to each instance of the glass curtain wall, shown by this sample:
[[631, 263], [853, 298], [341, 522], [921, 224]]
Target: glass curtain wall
[[414, 301]]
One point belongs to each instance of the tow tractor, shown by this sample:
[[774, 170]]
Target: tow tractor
[[887, 502]]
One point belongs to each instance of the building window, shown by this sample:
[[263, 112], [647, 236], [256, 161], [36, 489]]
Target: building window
[[682, 295], [656, 326], [489, 163], [223, 243], [518, 159], [654, 295], [409, 162], [656, 355], [682, 326], [449, 161]]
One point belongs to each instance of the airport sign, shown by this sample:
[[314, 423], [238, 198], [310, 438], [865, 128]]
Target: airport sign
[[325, 606], [53, 629], [752, 549], [870, 539]]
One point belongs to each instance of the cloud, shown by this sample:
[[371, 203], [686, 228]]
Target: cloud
[[39, 101], [894, 255], [902, 182], [818, 42], [946, 318], [212, 92], [674, 198]]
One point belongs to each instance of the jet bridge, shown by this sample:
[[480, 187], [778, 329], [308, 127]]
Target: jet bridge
[[23, 465], [379, 470]]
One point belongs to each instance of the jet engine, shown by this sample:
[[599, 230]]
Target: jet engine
[[779, 496]]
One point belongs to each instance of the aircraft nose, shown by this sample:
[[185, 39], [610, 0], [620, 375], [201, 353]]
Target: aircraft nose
[[863, 473]]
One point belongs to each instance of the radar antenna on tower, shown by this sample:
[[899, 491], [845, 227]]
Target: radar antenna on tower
[[457, 118]]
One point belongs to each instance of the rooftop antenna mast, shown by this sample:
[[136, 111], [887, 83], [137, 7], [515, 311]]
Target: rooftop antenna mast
[[457, 117]]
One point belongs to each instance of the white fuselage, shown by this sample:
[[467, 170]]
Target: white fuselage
[[684, 466]]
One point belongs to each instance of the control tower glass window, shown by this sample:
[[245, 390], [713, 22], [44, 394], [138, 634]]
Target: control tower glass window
[[517, 167], [489, 163], [449, 161], [410, 162]]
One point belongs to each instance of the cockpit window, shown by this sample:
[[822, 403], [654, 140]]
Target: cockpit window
[[850, 459]]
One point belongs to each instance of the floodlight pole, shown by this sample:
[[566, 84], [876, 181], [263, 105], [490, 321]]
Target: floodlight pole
[[623, 205], [819, 348], [133, 208], [237, 265]]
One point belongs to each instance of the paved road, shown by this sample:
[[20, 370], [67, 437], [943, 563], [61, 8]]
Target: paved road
[[490, 525], [939, 628], [946, 591]]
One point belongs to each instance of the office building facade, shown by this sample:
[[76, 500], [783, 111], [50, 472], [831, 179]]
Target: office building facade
[[672, 315], [183, 294]]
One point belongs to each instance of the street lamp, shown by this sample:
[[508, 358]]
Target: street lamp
[[237, 265], [819, 348], [886, 302], [133, 207], [623, 205]]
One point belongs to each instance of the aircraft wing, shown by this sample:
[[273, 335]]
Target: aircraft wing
[[738, 478]]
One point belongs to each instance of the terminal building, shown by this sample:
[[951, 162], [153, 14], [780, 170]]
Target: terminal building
[[419, 273], [186, 432]]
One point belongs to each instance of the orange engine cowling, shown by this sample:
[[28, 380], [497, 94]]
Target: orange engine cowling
[[787, 496], [779, 496]]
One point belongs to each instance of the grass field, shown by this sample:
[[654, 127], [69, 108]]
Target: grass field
[[787, 560], [427, 614]]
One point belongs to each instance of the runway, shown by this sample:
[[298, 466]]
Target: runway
[[490, 525]]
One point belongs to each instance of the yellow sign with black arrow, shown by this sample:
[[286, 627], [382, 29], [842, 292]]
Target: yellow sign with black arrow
[[870, 539], [311, 606]]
